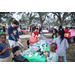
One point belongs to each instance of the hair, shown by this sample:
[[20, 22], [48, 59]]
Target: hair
[[71, 28], [66, 28], [15, 22], [55, 31], [2, 35], [60, 27], [61, 33], [54, 45], [36, 28]]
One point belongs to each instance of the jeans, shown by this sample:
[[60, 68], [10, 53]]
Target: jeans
[[64, 58]]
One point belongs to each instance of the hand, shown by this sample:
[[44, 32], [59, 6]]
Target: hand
[[12, 46], [45, 51], [46, 56], [5, 49], [19, 41]]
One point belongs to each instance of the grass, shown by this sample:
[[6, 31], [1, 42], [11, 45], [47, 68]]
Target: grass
[[70, 52]]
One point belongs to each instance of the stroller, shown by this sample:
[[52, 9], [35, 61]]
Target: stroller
[[17, 57]]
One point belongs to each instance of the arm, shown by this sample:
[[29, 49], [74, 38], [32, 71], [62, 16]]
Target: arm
[[54, 58], [11, 48], [18, 34], [3, 51], [66, 44], [10, 32]]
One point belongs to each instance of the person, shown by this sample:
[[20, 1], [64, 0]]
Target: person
[[19, 30], [4, 50], [66, 30], [4, 30], [53, 56], [34, 28], [40, 29], [36, 32], [62, 44], [33, 39], [60, 27], [72, 34], [13, 34], [54, 35]]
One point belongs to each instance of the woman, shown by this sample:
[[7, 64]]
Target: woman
[[33, 39]]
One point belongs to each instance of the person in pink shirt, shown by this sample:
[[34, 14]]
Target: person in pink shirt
[[72, 34], [33, 39]]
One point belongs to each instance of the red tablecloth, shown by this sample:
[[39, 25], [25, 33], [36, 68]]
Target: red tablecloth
[[22, 30]]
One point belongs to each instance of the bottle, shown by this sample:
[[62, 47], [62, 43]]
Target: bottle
[[20, 44]]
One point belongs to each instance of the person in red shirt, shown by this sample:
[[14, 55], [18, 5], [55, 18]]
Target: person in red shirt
[[66, 30], [36, 32]]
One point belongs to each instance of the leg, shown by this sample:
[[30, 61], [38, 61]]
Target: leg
[[64, 58], [71, 40], [11, 43]]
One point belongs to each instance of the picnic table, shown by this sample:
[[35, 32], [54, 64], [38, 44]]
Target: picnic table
[[35, 57]]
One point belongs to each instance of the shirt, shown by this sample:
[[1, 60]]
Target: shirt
[[2, 47], [66, 30], [61, 46], [36, 33], [53, 57], [13, 33], [72, 31], [32, 40]]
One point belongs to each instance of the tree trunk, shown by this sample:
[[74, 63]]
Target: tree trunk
[[41, 24]]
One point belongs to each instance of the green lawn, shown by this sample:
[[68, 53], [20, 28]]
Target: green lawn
[[70, 52]]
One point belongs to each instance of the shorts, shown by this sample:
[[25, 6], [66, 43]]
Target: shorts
[[72, 39], [4, 59], [11, 42]]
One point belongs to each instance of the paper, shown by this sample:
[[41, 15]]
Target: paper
[[30, 55], [36, 54]]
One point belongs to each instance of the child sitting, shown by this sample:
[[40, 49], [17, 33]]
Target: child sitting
[[53, 56], [4, 50], [54, 34]]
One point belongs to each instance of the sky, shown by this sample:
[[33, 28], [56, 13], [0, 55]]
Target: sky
[[17, 17]]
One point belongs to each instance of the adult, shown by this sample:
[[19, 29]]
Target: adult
[[66, 30], [40, 29], [33, 39], [13, 34], [4, 30], [72, 34]]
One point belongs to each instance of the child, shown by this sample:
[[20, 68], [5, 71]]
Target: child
[[4, 50], [54, 34], [36, 32], [53, 56], [62, 44]]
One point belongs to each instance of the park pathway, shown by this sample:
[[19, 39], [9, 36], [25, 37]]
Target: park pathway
[[27, 36]]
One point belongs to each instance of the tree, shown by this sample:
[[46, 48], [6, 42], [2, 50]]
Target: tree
[[61, 16], [6, 17], [42, 17]]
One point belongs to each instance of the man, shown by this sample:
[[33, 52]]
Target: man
[[13, 34]]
